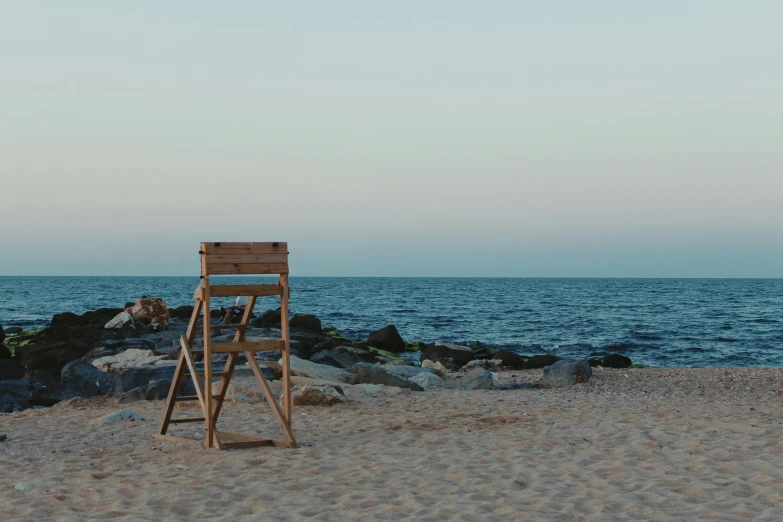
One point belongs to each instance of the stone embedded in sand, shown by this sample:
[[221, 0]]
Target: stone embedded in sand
[[323, 372], [23, 486], [483, 363], [477, 379], [150, 310], [373, 374], [122, 415], [566, 373], [317, 395], [387, 338], [426, 380]]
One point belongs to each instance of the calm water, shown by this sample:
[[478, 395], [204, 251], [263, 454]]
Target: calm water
[[658, 322]]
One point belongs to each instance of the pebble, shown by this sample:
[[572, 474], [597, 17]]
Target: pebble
[[3, 437], [182, 467], [22, 486], [120, 415]]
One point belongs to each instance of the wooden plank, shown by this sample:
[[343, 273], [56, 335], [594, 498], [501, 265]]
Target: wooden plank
[[193, 370], [286, 359], [183, 398], [248, 269], [209, 440], [245, 248], [190, 334], [168, 409], [186, 420], [270, 399], [248, 290], [255, 346], [247, 258]]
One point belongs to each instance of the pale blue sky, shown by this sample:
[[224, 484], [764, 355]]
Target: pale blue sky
[[603, 138]]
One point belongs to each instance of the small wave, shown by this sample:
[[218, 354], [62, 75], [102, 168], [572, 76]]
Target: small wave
[[725, 340], [762, 320], [404, 311], [647, 336]]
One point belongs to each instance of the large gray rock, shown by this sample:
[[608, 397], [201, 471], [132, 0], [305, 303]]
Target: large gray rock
[[317, 395], [407, 371], [306, 322], [132, 378], [81, 373], [20, 388], [130, 358], [477, 379], [322, 372], [566, 373], [353, 355], [509, 359], [387, 338], [374, 374], [427, 380], [11, 369], [540, 361], [120, 321], [153, 391], [327, 357], [62, 391], [447, 352]]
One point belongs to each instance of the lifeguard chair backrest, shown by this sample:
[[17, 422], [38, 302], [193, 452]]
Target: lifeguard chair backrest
[[244, 258]]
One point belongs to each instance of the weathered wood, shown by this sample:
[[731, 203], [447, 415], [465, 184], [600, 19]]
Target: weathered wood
[[208, 406], [248, 290], [285, 426], [287, 401], [248, 259], [239, 268], [246, 444], [242, 248], [256, 346], [186, 420], [172, 397]]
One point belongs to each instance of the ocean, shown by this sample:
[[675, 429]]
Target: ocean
[[656, 322]]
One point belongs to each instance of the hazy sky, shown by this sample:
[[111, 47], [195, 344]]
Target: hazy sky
[[486, 138]]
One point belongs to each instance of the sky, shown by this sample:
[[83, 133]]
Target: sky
[[407, 138]]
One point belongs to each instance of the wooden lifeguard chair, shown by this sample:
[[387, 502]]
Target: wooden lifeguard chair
[[229, 259]]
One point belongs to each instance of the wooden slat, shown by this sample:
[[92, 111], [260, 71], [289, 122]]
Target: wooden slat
[[256, 346], [248, 290], [286, 359], [183, 398], [188, 353], [285, 425], [245, 248], [245, 444], [248, 269], [210, 440], [189, 419], [214, 374], [179, 373], [271, 259]]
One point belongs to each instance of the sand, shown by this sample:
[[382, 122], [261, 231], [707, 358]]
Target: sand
[[629, 445]]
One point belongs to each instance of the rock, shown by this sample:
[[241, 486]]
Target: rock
[[313, 370], [540, 361], [407, 371], [12, 330], [129, 379], [131, 358], [387, 338], [566, 373], [477, 379], [181, 312], [150, 310], [440, 351], [122, 320], [615, 360], [352, 355], [277, 370], [10, 404], [509, 359], [23, 486], [132, 342], [81, 372], [52, 356], [373, 390], [310, 343], [62, 391], [306, 322], [427, 380], [314, 395], [595, 362], [3, 437], [18, 389], [11, 369], [154, 391], [122, 415], [2, 335], [95, 318], [483, 363], [268, 319], [327, 357], [426, 363], [374, 374]]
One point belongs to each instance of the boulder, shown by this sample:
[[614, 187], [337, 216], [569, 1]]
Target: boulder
[[509, 359], [153, 391], [426, 363], [268, 319], [353, 355], [374, 374], [130, 358], [13, 330], [327, 357], [181, 312], [317, 395], [5, 353], [306, 322], [132, 378], [54, 355], [305, 368], [122, 320], [11, 369], [20, 388], [487, 364], [427, 380], [540, 361], [2, 334], [243, 389], [408, 371], [10, 404], [615, 360], [62, 391], [440, 351], [150, 310], [477, 379], [80, 373], [387, 338], [566, 373]]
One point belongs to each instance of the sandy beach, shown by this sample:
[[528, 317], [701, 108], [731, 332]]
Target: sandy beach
[[641, 444]]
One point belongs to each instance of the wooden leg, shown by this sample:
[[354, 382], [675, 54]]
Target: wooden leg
[[179, 372], [270, 399], [209, 434], [287, 405]]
